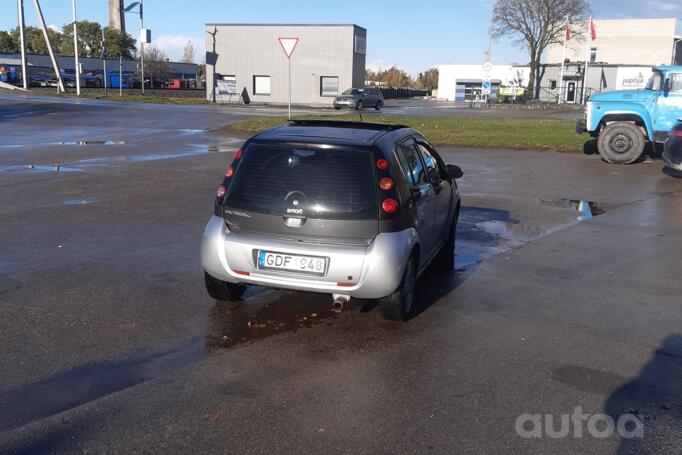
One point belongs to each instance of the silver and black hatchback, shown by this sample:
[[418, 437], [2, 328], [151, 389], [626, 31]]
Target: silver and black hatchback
[[347, 208]]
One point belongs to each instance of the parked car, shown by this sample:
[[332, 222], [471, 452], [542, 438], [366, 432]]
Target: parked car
[[358, 98], [347, 208], [624, 120], [672, 152]]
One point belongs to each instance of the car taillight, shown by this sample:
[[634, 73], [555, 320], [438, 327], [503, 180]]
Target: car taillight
[[229, 172], [389, 205], [676, 132], [222, 189], [382, 164], [386, 184], [238, 154]]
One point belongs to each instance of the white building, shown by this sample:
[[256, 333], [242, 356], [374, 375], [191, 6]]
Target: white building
[[464, 83], [623, 42]]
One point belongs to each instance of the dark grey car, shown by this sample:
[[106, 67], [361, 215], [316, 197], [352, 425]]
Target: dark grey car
[[347, 208], [358, 98]]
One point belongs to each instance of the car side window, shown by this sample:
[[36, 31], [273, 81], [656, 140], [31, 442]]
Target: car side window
[[411, 164], [676, 83], [432, 166]]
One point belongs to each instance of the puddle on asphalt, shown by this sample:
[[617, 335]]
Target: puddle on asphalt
[[38, 168], [91, 143], [71, 202], [265, 312], [485, 232], [91, 381], [77, 166]]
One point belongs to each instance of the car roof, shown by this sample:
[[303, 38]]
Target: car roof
[[331, 132]]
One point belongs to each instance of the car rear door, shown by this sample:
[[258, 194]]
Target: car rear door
[[423, 193], [442, 187]]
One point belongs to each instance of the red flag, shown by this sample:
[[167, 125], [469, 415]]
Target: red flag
[[593, 30], [568, 32]]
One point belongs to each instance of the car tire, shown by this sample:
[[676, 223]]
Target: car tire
[[398, 306], [222, 290], [379, 106], [337, 108], [359, 106], [621, 143]]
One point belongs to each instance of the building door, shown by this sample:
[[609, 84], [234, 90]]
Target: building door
[[570, 92]]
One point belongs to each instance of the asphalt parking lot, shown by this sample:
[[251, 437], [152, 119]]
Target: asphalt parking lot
[[110, 343]]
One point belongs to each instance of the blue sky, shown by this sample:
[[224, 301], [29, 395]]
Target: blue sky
[[412, 35]]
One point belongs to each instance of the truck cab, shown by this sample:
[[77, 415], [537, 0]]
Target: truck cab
[[624, 120]]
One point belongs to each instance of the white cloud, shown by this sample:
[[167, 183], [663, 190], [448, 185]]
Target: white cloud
[[55, 28], [377, 65], [173, 46]]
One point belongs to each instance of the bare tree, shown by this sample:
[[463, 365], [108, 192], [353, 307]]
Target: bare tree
[[188, 53], [535, 24], [156, 65]]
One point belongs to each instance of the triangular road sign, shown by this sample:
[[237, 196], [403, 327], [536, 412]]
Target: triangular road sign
[[288, 44]]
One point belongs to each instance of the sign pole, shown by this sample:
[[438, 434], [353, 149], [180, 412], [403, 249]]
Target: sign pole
[[288, 45], [120, 75]]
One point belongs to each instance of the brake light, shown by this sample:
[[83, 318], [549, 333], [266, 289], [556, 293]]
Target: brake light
[[389, 205], [238, 154], [222, 189], [676, 132], [229, 172], [386, 184], [382, 164], [345, 285]]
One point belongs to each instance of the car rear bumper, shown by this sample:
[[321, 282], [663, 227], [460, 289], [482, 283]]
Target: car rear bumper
[[375, 271]]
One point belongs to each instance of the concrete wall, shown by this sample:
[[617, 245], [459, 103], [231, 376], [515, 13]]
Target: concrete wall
[[247, 50], [626, 42]]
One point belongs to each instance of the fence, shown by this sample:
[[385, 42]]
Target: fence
[[405, 92]]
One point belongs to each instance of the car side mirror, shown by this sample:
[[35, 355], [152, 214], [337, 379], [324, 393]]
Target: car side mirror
[[666, 86], [454, 171]]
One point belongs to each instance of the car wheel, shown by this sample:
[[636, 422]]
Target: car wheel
[[359, 106], [379, 106], [445, 260], [398, 306], [337, 108], [222, 290], [621, 143]]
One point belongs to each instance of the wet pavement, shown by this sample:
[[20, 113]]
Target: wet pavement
[[566, 294]]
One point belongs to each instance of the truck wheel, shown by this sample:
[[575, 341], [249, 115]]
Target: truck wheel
[[222, 290], [621, 143], [398, 306]]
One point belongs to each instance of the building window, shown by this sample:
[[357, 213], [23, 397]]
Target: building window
[[552, 85], [360, 44], [261, 85], [329, 85], [593, 55]]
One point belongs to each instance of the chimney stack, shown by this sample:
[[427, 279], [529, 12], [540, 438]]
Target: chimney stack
[[116, 15]]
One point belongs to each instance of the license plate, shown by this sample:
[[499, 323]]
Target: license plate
[[312, 265]]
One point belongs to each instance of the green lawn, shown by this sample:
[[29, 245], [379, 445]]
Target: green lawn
[[113, 96], [556, 135]]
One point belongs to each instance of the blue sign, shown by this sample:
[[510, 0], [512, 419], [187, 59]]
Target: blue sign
[[486, 84]]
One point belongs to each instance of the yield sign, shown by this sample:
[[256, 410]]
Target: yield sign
[[288, 44]]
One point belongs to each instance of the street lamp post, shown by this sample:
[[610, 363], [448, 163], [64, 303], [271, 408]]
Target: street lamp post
[[143, 39], [75, 50]]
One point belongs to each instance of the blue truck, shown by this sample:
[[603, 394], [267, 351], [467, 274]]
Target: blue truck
[[623, 121]]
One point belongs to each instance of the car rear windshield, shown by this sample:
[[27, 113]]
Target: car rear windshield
[[305, 182]]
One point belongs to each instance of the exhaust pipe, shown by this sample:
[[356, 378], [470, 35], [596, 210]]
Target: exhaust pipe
[[339, 301]]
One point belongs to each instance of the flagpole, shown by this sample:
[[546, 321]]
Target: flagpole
[[563, 59], [587, 59]]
